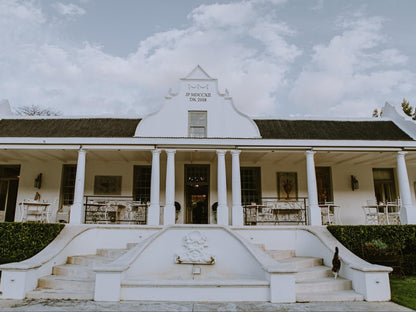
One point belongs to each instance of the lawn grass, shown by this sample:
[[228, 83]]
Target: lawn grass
[[403, 291]]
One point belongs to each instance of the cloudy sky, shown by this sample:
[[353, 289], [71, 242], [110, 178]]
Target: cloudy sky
[[293, 58]]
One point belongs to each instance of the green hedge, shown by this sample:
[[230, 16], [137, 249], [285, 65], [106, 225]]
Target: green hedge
[[20, 241], [401, 238]]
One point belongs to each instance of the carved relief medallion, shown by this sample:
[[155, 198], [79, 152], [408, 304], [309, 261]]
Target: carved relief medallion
[[194, 250]]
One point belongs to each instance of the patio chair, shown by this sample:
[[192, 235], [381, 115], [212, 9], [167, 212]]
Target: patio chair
[[393, 213], [371, 212], [51, 212], [62, 215], [328, 213]]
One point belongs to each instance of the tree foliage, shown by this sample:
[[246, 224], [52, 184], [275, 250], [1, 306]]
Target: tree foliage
[[408, 109], [376, 114], [35, 110]]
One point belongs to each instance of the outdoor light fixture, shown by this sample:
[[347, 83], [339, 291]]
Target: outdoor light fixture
[[354, 183]]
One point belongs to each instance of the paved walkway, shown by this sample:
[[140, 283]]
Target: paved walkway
[[75, 305]]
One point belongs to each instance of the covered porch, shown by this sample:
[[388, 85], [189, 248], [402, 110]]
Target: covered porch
[[234, 185]]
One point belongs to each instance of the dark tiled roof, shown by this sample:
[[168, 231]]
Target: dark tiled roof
[[330, 130], [83, 127], [269, 129]]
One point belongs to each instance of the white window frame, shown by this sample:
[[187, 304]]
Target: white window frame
[[191, 126]]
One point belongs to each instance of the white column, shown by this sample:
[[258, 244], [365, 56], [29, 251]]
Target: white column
[[314, 212], [169, 211], [153, 215], [237, 209], [77, 214], [407, 211], [222, 209]]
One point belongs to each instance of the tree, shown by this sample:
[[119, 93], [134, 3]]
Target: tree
[[376, 114], [407, 109], [35, 110]]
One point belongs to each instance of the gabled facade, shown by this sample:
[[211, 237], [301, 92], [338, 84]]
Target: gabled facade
[[199, 160], [216, 206]]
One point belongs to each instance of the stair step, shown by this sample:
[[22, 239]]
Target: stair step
[[340, 295], [60, 294], [65, 282], [73, 270], [112, 253], [88, 260], [302, 262], [281, 254], [312, 273], [323, 285]]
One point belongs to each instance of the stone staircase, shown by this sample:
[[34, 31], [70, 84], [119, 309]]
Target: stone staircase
[[76, 278], [315, 281]]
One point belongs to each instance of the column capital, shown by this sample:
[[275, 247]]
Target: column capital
[[81, 150], [156, 151], [235, 152], [221, 152], [401, 153], [310, 153], [170, 151]]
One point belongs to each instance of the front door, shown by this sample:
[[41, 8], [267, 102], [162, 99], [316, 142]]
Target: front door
[[197, 194], [9, 182]]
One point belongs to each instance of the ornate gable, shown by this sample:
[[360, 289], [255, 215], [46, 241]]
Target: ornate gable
[[198, 110]]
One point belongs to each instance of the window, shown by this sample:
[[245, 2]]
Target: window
[[68, 184], [250, 185], [384, 185], [197, 124], [141, 183]]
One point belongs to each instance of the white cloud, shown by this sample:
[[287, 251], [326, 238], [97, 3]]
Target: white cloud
[[69, 9], [250, 51], [350, 74], [84, 79]]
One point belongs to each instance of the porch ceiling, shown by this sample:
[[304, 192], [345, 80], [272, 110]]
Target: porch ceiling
[[326, 158], [254, 158], [18, 155]]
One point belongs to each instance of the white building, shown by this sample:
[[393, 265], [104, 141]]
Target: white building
[[198, 160]]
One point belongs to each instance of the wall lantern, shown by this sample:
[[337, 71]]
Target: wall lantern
[[354, 183], [38, 181]]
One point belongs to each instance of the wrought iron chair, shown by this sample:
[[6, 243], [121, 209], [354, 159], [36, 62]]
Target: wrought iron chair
[[371, 212], [393, 212]]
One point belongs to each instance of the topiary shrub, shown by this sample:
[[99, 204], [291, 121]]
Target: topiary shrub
[[20, 241]]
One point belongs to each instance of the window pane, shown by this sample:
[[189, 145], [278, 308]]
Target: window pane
[[195, 132], [197, 124], [250, 185], [197, 118], [68, 184], [141, 183]]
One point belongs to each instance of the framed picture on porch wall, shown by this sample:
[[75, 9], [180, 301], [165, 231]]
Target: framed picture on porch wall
[[287, 185], [107, 185]]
